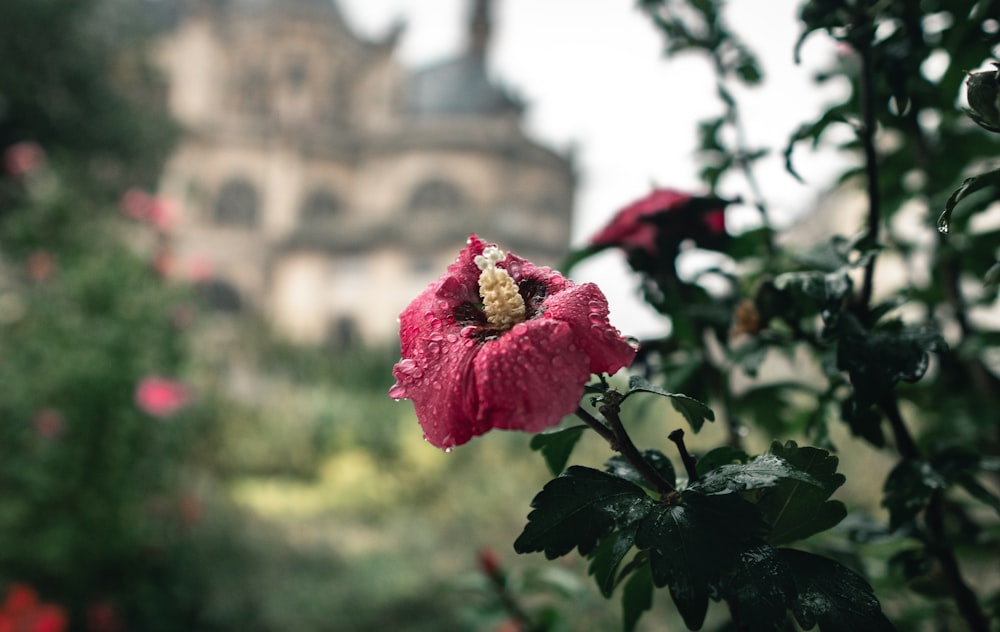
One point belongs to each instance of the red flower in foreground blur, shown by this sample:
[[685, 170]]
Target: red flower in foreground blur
[[663, 214], [22, 612], [498, 342], [148, 208], [23, 159], [160, 397]]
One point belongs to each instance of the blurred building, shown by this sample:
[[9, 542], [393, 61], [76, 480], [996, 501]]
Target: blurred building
[[324, 184]]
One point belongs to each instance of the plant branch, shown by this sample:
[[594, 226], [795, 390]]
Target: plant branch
[[596, 425], [618, 439], [867, 136], [965, 599], [677, 436]]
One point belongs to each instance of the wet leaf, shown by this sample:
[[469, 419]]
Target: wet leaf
[[557, 446], [607, 557], [967, 188], [637, 597], [691, 546], [766, 470], [879, 358], [760, 589], [796, 509], [693, 411], [621, 468], [831, 595], [579, 508]]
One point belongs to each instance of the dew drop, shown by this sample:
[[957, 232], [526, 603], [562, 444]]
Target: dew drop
[[449, 449], [595, 306], [632, 341], [943, 227], [595, 318], [452, 338], [433, 348], [436, 323], [397, 392]]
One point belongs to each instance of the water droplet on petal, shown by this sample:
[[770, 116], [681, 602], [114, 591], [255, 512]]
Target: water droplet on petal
[[595, 318], [397, 392], [433, 348], [452, 338], [449, 449], [595, 306], [632, 341]]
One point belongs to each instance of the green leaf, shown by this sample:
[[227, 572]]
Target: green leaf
[[557, 446], [831, 595], [577, 509], [879, 358], [795, 509], [717, 457], [968, 187], [620, 467], [766, 470], [637, 597], [761, 589], [691, 546], [908, 489], [992, 276], [693, 411], [606, 558]]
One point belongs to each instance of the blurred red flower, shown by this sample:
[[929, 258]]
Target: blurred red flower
[[48, 423], [142, 206], [41, 265], [498, 342], [663, 214], [161, 397], [23, 159], [22, 612], [102, 616]]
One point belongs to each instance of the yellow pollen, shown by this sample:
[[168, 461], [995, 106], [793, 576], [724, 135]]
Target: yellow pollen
[[502, 303]]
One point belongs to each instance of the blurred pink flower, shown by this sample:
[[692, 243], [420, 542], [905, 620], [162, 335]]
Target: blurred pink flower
[[49, 423], [23, 159], [143, 206], [41, 266], [498, 342], [161, 397]]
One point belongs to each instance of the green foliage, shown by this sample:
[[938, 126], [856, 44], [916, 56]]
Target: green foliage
[[712, 540], [557, 446], [695, 412]]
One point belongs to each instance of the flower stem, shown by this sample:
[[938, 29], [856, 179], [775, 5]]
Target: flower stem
[[596, 425], [618, 439]]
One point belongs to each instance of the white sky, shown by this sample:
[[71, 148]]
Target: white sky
[[594, 76]]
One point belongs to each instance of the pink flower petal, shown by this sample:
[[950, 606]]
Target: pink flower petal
[[465, 378]]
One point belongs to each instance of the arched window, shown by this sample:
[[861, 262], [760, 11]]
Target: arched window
[[220, 296], [237, 205], [320, 208], [436, 195]]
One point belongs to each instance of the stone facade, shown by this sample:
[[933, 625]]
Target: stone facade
[[324, 184]]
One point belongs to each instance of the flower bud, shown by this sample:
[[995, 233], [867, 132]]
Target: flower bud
[[983, 94]]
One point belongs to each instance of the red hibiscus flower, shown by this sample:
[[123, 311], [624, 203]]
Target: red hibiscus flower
[[664, 215], [160, 397], [22, 612], [498, 342]]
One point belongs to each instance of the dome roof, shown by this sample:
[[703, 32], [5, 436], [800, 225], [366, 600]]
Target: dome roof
[[458, 86]]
